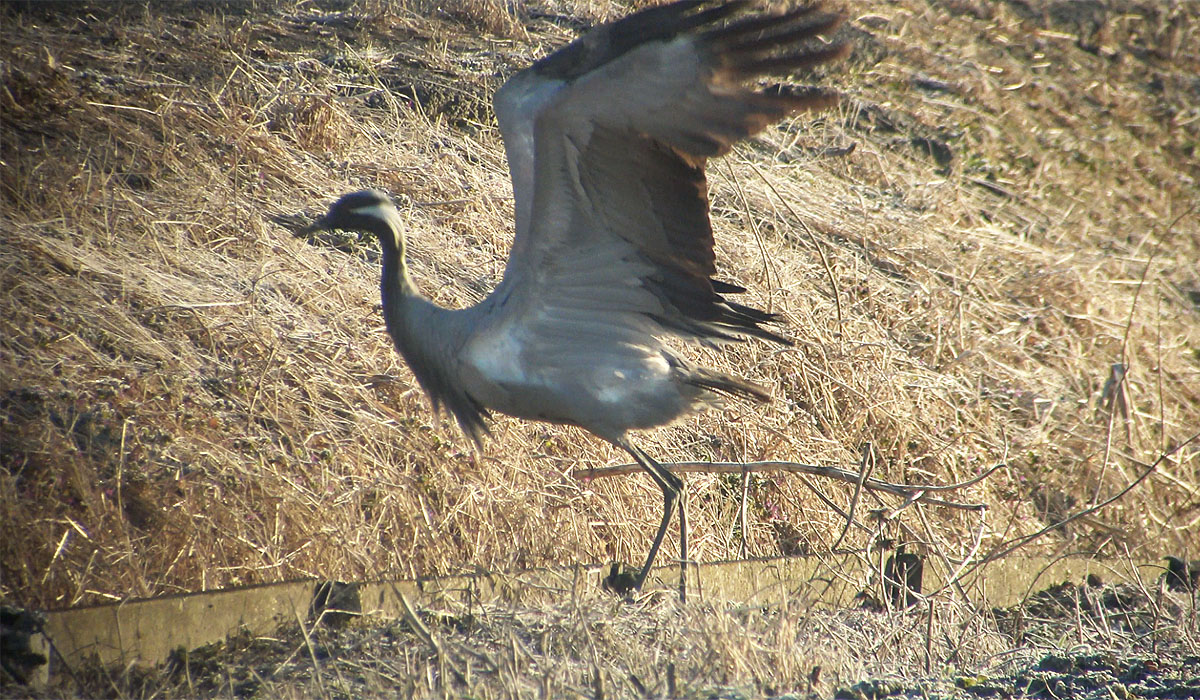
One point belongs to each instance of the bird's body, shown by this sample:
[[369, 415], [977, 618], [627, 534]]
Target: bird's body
[[606, 141]]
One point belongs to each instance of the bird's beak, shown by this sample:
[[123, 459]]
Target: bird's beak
[[318, 225]]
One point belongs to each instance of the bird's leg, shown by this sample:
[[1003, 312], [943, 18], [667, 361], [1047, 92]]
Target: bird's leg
[[672, 488], [683, 548]]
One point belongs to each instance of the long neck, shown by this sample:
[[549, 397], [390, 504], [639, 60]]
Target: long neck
[[396, 287], [409, 316], [424, 333], [428, 336]]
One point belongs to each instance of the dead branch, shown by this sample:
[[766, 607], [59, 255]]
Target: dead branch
[[1006, 548], [911, 492]]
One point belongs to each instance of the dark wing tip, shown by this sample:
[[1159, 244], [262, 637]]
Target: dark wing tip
[[800, 98], [608, 42], [786, 63]]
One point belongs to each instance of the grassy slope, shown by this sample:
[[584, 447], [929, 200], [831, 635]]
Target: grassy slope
[[194, 398]]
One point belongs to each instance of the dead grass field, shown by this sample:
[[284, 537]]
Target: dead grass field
[[1001, 210]]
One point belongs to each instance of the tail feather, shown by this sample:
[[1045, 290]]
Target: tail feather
[[727, 385]]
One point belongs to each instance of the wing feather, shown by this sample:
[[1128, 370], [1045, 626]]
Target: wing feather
[[607, 140]]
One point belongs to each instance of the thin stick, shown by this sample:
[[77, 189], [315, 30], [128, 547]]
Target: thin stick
[[419, 628], [312, 655], [762, 250], [903, 490], [834, 507], [928, 639], [865, 466], [837, 292], [1124, 355], [1009, 547], [742, 514]]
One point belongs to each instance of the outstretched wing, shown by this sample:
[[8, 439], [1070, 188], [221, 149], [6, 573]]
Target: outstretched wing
[[607, 141]]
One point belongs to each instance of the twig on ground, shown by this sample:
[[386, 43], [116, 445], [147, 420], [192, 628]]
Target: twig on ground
[[419, 628], [1011, 546], [845, 515], [903, 490], [865, 466], [306, 634]]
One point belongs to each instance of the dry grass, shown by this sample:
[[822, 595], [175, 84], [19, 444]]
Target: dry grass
[[193, 398], [1078, 641]]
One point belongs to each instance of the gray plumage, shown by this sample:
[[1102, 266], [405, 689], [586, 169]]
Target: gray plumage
[[607, 141]]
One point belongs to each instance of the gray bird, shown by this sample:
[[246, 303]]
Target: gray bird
[[607, 141]]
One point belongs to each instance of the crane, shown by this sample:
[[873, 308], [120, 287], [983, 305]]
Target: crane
[[606, 141]]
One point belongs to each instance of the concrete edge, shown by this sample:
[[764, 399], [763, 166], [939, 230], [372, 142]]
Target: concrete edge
[[149, 631]]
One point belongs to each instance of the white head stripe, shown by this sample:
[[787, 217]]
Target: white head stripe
[[379, 211]]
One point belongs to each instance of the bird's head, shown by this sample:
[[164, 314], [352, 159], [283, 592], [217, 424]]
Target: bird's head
[[370, 211]]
